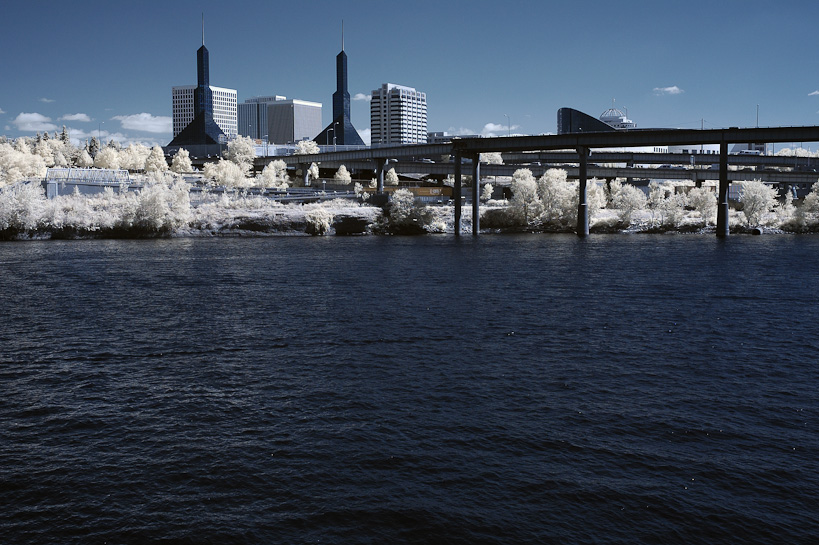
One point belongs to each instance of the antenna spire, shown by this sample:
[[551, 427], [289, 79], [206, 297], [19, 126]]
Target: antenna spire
[[342, 34], [203, 28]]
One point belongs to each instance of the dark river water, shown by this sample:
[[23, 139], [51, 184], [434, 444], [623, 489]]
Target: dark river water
[[384, 390]]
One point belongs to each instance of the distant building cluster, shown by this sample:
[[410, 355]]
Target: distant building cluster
[[207, 116]]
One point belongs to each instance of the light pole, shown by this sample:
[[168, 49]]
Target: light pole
[[99, 132], [327, 136], [508, 126], [334, 135], [265, 145]]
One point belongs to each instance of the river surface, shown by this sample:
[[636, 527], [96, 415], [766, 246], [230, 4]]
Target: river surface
[[383, 390]]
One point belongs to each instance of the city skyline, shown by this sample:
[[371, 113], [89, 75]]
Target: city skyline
[[109, 69]]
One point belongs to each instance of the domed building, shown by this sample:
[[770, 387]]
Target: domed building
[[617, 119]]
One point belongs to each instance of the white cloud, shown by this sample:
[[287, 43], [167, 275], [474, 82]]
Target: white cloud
[[146, 122], [34, 122], [47, 100], [461, 131], [1, 111], [362, 96], [813, 94], [673, 90], [366, 135], [75, 117], [79, 136], [492, 129]]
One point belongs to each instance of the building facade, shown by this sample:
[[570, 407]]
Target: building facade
[[252, 116], [224, 108], [289, 121], [398, 115]]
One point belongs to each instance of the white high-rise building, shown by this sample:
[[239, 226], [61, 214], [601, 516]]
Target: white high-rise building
[[398, 115], [224, 109]]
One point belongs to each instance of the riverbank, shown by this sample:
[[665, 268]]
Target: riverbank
[[173, 211]]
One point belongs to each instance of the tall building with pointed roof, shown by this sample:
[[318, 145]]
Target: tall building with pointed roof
[[340, 131], [203, 128]]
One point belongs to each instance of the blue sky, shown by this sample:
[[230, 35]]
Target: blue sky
[[110, 66]]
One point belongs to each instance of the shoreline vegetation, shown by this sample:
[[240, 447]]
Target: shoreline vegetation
[[166, 206], [166, 209]]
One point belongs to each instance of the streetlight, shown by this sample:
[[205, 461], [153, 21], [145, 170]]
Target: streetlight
[[327, 136], [99, 132], [508, 126], [334, 135]]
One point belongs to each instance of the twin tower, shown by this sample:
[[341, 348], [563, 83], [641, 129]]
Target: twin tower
[[203, 130]]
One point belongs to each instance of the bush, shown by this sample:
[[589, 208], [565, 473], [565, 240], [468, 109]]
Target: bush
[[403, 216], [319, 221]]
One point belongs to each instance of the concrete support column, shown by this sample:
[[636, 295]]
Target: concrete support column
[[476, 194], [456, 193], [582, 205], [722, 197], [379, 175], [305, 174]]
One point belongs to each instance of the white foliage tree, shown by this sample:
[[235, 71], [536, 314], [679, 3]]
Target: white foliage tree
[[313, 171], [486, 194], [84, 159], [274, 175], [525, 204], [181, 162], [225, 173], [391, 177], [241, 151], [21, 207], [60, 160], [757, 199], [491, 158], [595, 197], [319, 221], [16, 165], [627, 199], [156, 161], [558, 197], [107, 158], [360, 193], [704, 202], [306, 147], [656, 199], [133, 157], [807, 215], [44, 150], [342, 176]]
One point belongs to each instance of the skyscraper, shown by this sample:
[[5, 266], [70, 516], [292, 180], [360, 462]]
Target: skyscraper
[[340, 131], [203, 129], [398, 115]]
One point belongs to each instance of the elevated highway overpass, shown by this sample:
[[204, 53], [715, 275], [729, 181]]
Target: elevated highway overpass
[[583, 146]]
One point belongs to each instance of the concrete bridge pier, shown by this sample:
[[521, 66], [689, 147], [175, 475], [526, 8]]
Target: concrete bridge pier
[[722, 198], [379, 175], [476, 188], [582, 204], [456, 192]]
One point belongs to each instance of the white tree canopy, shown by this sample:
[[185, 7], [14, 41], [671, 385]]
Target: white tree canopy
[[306, 147], [342, 177], [181, 162], [156, 161]]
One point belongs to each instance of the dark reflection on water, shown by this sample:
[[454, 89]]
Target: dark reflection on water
[[511, 389]]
